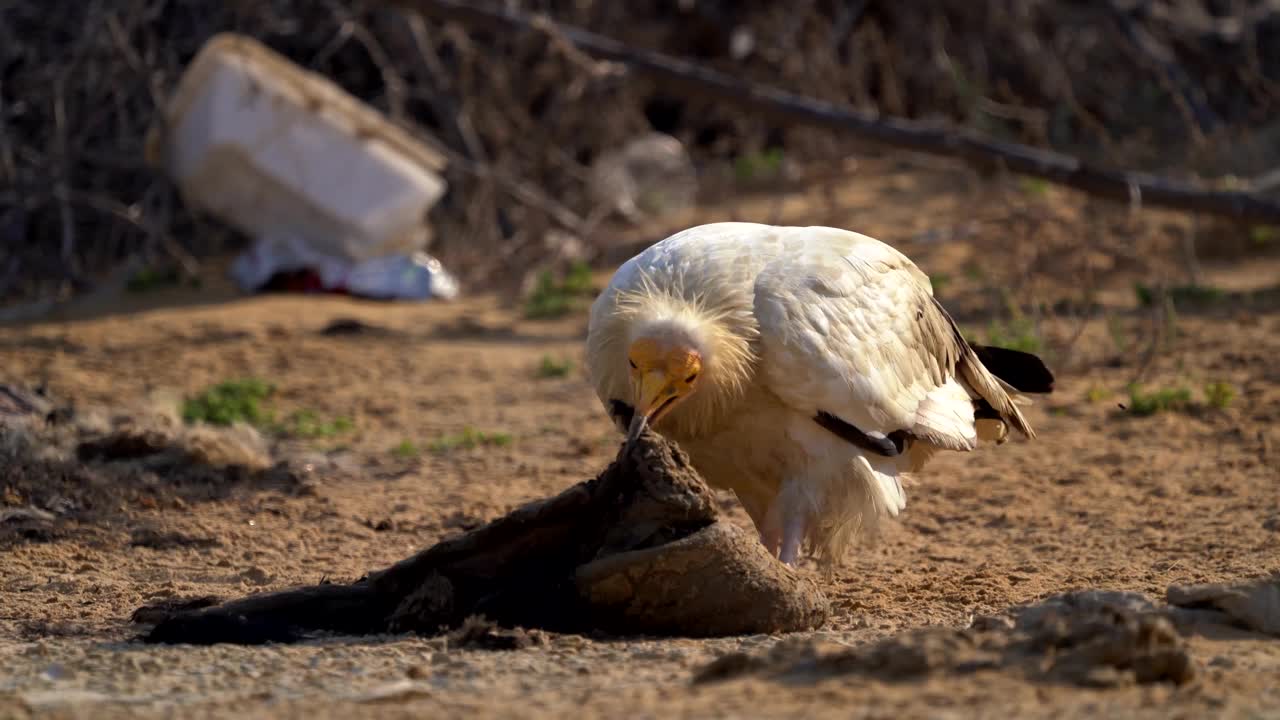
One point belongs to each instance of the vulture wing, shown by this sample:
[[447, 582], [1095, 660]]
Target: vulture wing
[[851, 334]]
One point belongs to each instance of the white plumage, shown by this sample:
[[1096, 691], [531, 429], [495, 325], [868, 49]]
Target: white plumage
[[808, 369]]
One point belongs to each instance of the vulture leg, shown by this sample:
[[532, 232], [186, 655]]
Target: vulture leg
[[771, 540], [771, 529], [784, 529], [756, 502]]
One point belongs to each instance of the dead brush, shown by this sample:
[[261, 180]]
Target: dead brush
[[521, 115]]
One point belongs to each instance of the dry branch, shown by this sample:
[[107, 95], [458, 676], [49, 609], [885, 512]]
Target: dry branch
[[1188, 17], [692, 79], [1190, 98], [527, 113]]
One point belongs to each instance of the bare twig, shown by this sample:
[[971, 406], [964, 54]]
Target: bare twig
[[394, 86], [1192, 17], [63, 153], [443, 100], [1203, 119], [8, 165], [847, 19], [1160, 318], [570, 51], [1267, 181], [134, 216], [1190, 256]]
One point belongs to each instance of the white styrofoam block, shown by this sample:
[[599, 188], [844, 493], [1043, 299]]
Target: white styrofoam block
[[276, 150]]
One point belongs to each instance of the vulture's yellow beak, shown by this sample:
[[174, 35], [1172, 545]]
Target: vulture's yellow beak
[[657, 395], [662, 379]]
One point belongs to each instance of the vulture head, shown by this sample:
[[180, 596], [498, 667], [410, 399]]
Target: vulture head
[[666, 368], [684, 361]]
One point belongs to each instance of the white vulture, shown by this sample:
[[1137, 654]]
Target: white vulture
[[807, 369]]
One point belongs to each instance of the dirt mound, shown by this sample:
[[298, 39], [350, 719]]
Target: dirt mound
[[1252, 604], [64, 472], [641, 549], [1089, 638]]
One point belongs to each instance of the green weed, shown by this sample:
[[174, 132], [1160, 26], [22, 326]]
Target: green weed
[[1219, 394], [246, 400], [1097, 394], [764, 164], [1034, 186], [551, 298], [1144, 403], [230, 402], [405, 450], [307, 424], [550, 367], [1018, 333], [468, 439]]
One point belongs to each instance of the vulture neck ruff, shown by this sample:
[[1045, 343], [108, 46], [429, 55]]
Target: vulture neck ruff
[[721, 334]]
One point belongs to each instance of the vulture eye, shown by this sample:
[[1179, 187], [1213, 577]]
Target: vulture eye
[[691, 378]]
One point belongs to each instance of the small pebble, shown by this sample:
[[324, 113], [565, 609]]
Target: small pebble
[[257, 576]]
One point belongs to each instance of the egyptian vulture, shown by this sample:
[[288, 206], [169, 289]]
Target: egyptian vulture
[[807, 369]]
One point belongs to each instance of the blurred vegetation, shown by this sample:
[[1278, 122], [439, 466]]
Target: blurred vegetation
[[406, 450], [1218, 395], [1018, 333], [470, 438], [1149, 402], [246, 400], [229, 402], [549, 367], [524, 120], [552, 298]]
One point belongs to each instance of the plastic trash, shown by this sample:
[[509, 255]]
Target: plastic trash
[[416, 276], [271, 256]]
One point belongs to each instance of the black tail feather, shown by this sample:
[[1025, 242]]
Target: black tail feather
[[1024, 371]]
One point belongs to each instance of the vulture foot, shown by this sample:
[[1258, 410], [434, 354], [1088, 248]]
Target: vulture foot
[[784, 529]]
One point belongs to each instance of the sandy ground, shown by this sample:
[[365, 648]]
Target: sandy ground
[[1103, 499]]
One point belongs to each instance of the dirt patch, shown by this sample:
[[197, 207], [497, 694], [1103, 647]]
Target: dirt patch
[[348, 327], [479, 633], [168, 540]]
